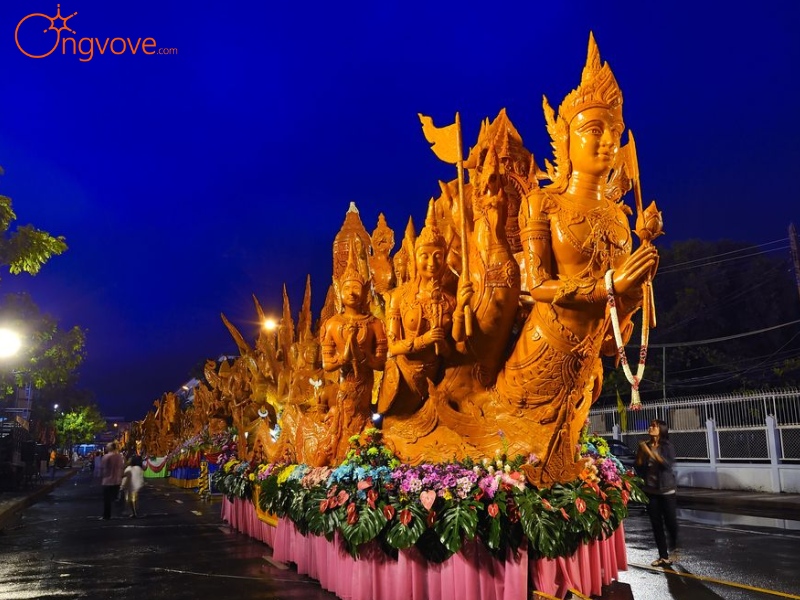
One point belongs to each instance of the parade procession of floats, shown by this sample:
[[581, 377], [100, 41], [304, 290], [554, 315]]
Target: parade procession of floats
[[440, 402]]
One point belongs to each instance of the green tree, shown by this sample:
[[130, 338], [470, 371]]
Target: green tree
[[710, 290], [49, 356], [78, 426], [25, 248]]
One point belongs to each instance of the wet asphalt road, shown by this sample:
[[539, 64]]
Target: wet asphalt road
[[749, 557], [179, 548]]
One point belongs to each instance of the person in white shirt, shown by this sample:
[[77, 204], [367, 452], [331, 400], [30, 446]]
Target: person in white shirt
[[132, 482]]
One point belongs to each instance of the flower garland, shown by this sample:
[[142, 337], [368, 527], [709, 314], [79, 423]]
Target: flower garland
[[435, 507], [634, 380]]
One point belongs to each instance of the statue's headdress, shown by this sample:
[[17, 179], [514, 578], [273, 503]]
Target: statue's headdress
[[598, 89], [351, 271], [430, 234]]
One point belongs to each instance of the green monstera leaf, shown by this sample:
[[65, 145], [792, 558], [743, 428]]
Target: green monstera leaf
[[368, 525], [458, 521], [404, 535]]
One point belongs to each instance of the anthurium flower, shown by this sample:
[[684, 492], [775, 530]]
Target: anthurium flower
[[431, 520], [580, 504]]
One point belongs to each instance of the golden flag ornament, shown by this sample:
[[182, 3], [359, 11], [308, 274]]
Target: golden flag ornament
[[445, 141], [623, 413]]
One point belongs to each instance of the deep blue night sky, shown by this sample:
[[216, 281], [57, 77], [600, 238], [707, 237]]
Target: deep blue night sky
[[186, 183]]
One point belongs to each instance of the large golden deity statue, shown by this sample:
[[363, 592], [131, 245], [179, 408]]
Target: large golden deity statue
[[489, 326], [538, 266]]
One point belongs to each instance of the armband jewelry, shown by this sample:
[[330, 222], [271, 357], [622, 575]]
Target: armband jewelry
[[536, 229]]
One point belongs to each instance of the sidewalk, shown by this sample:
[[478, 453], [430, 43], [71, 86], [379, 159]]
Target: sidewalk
[[778, 506], [13, 502]]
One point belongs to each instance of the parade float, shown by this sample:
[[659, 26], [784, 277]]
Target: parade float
[[426, 436]]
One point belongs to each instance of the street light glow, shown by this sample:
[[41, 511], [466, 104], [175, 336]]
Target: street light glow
[[270, 324], [9, 343]]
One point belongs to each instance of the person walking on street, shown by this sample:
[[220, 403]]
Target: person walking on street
[[112, 466], [132, 482], [655, 461], [51, 465], [97, 471]]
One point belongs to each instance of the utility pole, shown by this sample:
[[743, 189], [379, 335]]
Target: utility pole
[[795, 254]]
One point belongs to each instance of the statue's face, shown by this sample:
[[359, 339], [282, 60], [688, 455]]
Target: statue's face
[[352, 293], [429, 261], [594, 138], [400, 266], [383, 243]]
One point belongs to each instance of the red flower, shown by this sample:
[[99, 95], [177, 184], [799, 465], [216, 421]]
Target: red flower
[[342, 497], [365, 484], [625, 497], [388, 512], [493, 510], [352, 514], [564, 514], [332, 491], [405, 516], [431, 520], [547, 504], [580, 504], [372, 495], [324, 505], [604, 510]]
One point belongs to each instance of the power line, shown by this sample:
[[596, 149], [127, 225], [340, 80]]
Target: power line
[[722, 339], [746, 249]]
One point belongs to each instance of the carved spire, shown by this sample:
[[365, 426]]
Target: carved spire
[[304, 319]]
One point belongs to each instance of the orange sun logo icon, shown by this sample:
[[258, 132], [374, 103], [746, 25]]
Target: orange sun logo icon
[[58, 28]]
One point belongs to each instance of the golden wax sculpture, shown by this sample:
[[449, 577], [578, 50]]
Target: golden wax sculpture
[[484, 332]]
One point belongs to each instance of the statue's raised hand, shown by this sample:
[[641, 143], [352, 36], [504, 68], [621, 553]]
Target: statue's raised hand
[[637, 268]]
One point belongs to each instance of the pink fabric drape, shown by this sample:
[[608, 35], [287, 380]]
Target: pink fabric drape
[[472, 574], [241, 515]]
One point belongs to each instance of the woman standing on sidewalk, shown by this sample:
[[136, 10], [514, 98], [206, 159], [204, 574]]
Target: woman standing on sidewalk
[[654, 464]]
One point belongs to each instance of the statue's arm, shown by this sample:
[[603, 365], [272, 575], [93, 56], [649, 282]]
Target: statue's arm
[[331, 359], [396, 345]]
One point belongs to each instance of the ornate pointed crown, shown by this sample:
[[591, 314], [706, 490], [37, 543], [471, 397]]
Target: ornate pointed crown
[[351, 271], [598, 89], [430, 234]]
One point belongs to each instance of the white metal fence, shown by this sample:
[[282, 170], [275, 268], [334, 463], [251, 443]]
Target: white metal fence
[[747, 427]]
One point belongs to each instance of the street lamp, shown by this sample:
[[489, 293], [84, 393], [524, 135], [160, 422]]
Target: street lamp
[[10, 343], [270, 324]]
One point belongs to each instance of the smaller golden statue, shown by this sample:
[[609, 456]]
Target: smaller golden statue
[[354, 344]]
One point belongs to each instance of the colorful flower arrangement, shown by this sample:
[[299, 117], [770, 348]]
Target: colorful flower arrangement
[[435, 507], [190, 450]]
